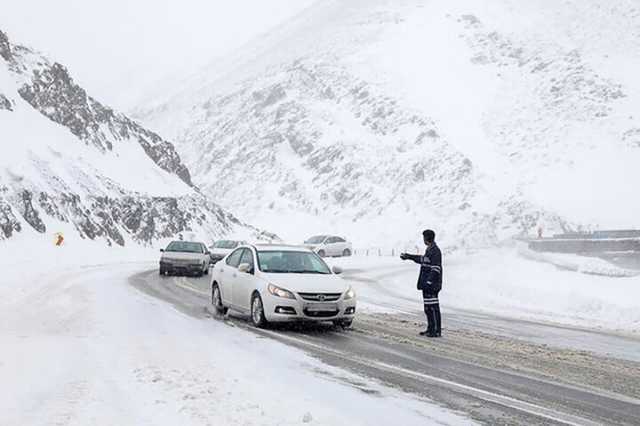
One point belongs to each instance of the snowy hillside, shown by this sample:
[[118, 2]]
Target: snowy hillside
[[71, 164], [376, 118]]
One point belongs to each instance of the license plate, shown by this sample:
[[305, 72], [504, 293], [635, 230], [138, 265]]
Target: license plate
[[322, 307]]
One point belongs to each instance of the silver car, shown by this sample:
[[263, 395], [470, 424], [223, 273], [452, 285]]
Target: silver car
[[329, 245], [185, 257], [221, 248]]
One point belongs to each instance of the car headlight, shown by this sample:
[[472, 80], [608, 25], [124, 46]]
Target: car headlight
[[350, 294], [280, 292]]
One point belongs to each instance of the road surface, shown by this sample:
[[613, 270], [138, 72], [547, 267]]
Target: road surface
[[495, 370]]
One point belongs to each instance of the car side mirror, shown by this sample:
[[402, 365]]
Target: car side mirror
[[244, 268], [162, 250], [207, 252], [336, 270]]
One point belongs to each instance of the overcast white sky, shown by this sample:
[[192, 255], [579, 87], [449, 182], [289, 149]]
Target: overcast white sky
[[117, 48]]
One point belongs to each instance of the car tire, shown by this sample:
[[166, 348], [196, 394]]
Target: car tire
[[216, 301], [321, 253], [206, 271], [162, 271], [346, 253], [257, 312]]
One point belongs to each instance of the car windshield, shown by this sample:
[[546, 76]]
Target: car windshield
[[185, 247], [316, 240], [225, 244], [294, 262]]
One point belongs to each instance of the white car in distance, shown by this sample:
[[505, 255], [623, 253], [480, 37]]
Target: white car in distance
[[329, 245], [275, 283]]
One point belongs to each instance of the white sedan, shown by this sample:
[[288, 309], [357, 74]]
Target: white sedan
[[274, 283], [329, 245]]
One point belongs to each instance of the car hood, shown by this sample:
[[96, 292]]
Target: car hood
[[309, 283], [220, 251], [181, 255]]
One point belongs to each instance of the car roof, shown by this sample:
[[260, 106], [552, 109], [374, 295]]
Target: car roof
[[280, 247], [183, 241]]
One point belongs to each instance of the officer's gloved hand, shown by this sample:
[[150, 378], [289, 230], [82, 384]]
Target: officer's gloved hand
[[404, 256]]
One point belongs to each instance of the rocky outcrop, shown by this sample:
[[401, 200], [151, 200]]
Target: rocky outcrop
[[5, 47], [136, 217], [8, 222], [29, 213], [53, 186], [50, 89], [632, 137], [5, 103], [53, 92]]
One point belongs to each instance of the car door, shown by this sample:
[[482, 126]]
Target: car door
[[204, 255], [244, 282], [331, 246], [341, 245], [228, 273]]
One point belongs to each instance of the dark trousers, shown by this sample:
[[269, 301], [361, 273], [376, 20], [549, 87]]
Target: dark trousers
[[432, 310]]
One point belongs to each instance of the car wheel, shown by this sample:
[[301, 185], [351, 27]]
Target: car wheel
[[321, 253], [161, 272], [206, 271], [257, 312], [346, 253], [216, 301]]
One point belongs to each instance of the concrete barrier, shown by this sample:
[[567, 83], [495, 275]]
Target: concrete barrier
[[586, 245]]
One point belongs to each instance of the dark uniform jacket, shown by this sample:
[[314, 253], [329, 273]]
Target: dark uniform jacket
[[430, 278]]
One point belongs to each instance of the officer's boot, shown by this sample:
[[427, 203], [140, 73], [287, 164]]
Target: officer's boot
[[431, 321], [438, 321]]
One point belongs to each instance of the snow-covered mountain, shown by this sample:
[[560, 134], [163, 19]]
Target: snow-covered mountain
[[375, 118], [70, 163]]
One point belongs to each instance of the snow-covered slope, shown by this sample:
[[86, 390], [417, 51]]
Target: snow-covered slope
[[70, 163], [377, 118]]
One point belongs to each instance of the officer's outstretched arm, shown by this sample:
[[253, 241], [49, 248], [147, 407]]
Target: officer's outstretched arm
[[415, 257]]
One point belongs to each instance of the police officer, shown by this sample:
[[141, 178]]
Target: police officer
[[430, 282]]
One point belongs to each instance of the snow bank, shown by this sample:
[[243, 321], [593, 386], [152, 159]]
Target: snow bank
[[576, 263]]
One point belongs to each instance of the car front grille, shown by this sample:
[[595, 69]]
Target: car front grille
[[320, 314], [182, 262], [320, 297]]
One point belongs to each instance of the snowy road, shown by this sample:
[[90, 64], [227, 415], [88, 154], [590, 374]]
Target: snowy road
[[494, 370], [80, 346]]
